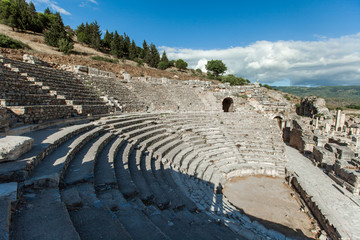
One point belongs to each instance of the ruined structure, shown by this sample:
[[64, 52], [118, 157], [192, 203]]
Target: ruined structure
[[146, 158]]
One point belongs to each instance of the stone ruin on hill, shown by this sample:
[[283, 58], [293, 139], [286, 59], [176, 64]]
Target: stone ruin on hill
[[147, 158]]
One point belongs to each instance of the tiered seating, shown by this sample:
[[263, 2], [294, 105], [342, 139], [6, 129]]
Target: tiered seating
[[116, 91], [144, 176], [62, 85], [30, 102]]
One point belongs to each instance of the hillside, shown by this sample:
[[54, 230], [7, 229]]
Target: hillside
[[82, 55], [334, 95]]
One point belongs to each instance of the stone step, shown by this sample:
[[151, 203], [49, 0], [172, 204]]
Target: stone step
[[175, 201], [42, 215], [5, 217], [161, 199], [104, 166], [46, 141], [53, 167], [124, 181], [134, 159], [91, 219], [81, 168]]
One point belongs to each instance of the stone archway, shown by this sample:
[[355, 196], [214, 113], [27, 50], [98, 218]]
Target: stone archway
[[228, 104], [280, 122]]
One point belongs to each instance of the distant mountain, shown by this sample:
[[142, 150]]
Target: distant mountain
[[334, 95]]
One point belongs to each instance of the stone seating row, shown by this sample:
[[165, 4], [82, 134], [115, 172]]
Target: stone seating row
[[119, 177], [35, 92], [114, 88]]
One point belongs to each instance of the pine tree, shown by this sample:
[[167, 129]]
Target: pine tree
[[133, 51], [154, 58], [126, 46], [108, 37], [55, 32], [164, 58], [145, 51], [116, 45]]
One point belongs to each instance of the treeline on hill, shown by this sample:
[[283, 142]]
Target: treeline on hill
[[122, 46], [21, 16]]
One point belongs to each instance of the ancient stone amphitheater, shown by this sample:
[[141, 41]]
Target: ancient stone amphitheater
[[108, 158]]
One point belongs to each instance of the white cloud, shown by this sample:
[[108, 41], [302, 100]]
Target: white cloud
[[86, 3], [333, 61], [53, 6]]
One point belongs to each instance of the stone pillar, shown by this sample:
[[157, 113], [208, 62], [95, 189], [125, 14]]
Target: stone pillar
[[327, 127], [317, 123], [342, 121], [337, 123]]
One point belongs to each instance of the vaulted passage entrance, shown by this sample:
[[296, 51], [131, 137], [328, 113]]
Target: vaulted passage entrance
[[279, 121], [228, 105]]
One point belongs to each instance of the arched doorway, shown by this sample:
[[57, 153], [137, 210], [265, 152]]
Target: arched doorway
[[228, 104], [279, 121]]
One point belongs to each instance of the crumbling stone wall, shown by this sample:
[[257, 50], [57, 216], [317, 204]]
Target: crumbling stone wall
[[4, 120], [312, 106]]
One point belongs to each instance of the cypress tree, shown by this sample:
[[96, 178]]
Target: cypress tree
[[116, 45], [145, 51]]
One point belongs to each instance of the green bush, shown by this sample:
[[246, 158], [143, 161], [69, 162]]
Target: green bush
[[267, 86], [7, 42], [105, 59], [233, 80], [287, 97], [181, 64], [65, 45], [139, 62], [163, 65]]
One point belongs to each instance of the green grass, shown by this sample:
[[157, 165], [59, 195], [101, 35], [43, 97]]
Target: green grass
[[105, 59], [335, 96], [8, 42]]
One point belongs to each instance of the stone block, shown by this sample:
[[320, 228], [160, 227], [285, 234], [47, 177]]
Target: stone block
[[12, 147], [9, 191], [71, 197], [322, 155], [47, 181]]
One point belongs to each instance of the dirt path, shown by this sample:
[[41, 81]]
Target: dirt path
[[272, 203]]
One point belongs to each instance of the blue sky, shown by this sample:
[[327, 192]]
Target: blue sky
[[200, 30]]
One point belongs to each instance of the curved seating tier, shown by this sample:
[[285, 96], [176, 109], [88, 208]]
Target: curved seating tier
[[37, 93], [144, 176]]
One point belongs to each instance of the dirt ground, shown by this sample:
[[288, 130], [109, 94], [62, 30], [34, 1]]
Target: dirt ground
[[271, 202]]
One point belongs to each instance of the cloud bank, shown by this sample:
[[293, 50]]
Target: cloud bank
[[334, 61]]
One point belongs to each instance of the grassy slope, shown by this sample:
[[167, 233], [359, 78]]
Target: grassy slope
[[334, 95]]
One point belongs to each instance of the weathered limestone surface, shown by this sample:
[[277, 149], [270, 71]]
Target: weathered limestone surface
[[12, 147], [301, 137], [9, 191], [341, 210], [5, 213], [312, 105]]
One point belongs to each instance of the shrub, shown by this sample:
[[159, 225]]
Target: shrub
[[233, 80], [267, 86], [105, 59], [163, 65], [139, 62], [65, 45], [7, 42], [287, 97], [181, 64]]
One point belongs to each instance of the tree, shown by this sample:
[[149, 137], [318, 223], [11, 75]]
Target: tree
[[116, 45], [164, 58], [216, 67], [153, 56], [162, 65], [145, 50], [65, 45], [133, 50], [55, 32], [181, 64], [108, 37], [233, 80]]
